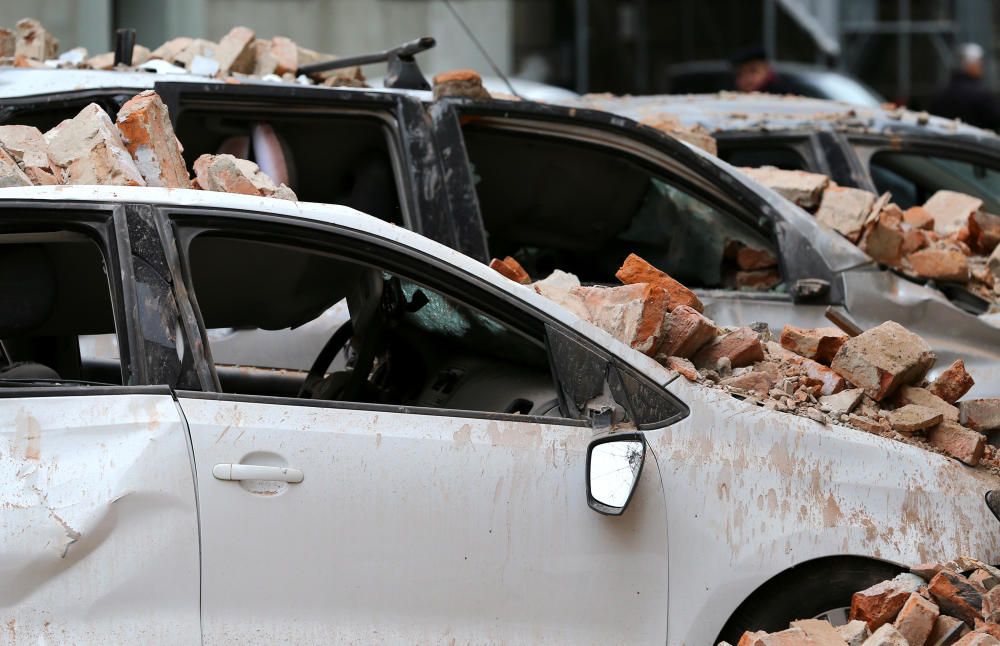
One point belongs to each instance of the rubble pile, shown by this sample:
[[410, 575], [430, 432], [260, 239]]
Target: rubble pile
[[874, 381], [238, 53], [950, 239], [956, 603], [140, 149]]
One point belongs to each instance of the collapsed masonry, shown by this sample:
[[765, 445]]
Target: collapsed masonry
[[956, 603], [140, 149], [873, 382], [950, 239]]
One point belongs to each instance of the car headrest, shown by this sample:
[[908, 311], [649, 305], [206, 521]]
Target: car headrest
[[270, 152], [27, 288]]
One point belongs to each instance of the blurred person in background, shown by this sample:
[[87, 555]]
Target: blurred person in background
[[754, 73], [965, 96]]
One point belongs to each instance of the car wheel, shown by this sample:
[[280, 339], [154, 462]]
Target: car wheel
[[818, 589]]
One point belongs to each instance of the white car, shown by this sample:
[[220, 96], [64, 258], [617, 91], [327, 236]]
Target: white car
[[461, 477]]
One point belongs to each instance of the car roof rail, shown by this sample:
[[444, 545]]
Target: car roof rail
[[403, 72]]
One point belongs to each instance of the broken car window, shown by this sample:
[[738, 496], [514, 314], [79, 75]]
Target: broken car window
[[913, 178], [552, 203]]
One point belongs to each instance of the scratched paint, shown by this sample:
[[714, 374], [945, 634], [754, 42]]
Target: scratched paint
[[752, 492], [98, 528]]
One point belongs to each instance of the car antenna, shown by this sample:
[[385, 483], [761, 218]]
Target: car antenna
[[403, 72], [482, 50]]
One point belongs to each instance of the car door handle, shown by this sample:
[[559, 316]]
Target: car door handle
[[256, 472]]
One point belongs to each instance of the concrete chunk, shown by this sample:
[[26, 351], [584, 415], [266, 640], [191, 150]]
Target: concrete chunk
[[882, 359], [88, 149], [951, 210], [149, 137]]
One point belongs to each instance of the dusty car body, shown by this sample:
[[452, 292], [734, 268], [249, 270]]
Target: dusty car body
[[435, 514], [554, 186]]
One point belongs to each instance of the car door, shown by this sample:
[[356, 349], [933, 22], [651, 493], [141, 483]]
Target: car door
[[445, 503], [578, 191], [98, 522]]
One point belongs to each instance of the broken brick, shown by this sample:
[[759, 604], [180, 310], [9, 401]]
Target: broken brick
[[512, 269], [923, 397], [993, 263], [913, 240], [854, 633], [750, 258], [27, 145], [228, 174], [947, 630], [170, 50], [10, 173], [984, 232], [841, 403], [235, 52], [887, 635], [883, 241], [758, 280], [682, 366], [991, 604], [633, 314], [88, 149], [796, 186], [830, 382], [741, 347], [916, 620], [912, 418], [685, 331], [880, 603], [819, 632], [637, 270], [461, 83], [149, 137], [940, 263], [696, 135], [952, 383], [980, 414], [867, 424], [919, 218], [845, 210], [986, 579], [819, 344], [882, 359], [977, 639], [956, 596], [790, 637], [757, 382], [951, 210], [8, 43], [958, 442], [34, 41]]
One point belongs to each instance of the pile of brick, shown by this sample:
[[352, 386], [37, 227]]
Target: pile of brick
[[140, 149], [238, 53], [956, 603], [950, 239], [873, 382]]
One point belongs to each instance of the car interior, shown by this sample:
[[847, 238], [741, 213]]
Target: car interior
[[756, 156], [335, 159], [913, 178], [553, 204], [54, 295], [383, 338]]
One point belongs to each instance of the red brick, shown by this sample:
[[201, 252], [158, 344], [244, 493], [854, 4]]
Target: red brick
[[882, 359], [951, 210], [465, 83], [991, 605], [947, 630], [956, 596], [742, 347], [511, 269], [149, 137], [958, 442], [880, 603], [749, 258], [952, 383], [984, 232], [923, 397], [685, 331], [912, 418], [633, 314], [228, 174], [883, 241], [913, 240], [980, 414], [830, 381], [682, 366], [758, 280], [637, 270], [790, 637], [88, 149], [820, 632], [819, 344], [8, 43], [916, 620], [918, 217], [940, 264], [235, 52], [977, 639], [756, 382]]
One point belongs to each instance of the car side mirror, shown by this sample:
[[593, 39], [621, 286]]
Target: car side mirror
[[614, 464]]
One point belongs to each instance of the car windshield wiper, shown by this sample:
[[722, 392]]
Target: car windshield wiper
[[9, 383]]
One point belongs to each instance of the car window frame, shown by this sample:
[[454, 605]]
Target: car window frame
[[956, 149], [186, 223]]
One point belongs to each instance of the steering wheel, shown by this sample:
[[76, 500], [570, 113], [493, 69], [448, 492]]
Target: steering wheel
[[331, 349]]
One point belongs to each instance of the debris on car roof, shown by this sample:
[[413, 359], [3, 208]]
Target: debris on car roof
[[141, 149], [874, 381], [950, 239], [954, 602], [239, 53]]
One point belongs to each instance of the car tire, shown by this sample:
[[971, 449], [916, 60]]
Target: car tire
[[820, 588]]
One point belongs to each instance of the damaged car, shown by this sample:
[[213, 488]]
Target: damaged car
[[456, 428]]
